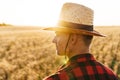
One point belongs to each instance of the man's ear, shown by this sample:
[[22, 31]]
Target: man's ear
[[73, 39]]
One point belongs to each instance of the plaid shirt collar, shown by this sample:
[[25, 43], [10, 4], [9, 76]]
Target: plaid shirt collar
[[77, 59], [81, 58]]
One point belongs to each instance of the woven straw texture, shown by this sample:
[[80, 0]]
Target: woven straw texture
[[76, 13]]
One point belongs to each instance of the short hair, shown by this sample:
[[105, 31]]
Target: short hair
[[87, 39]]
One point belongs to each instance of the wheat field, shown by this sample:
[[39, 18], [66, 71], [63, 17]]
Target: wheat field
[[29, 54]]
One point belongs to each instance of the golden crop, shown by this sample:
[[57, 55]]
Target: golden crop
[[30, 55]]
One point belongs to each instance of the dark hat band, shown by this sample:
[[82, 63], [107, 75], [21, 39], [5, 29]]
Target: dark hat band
[[75, 25]]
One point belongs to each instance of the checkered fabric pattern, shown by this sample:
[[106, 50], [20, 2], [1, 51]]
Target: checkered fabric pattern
[[83, 67]]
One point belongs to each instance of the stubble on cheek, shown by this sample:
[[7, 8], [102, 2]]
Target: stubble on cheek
[[57, 50]]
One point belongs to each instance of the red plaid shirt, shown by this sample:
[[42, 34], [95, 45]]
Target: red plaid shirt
[[83, 67]]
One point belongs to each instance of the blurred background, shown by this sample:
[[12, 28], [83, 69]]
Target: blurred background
[[27, 52], [46, 12]]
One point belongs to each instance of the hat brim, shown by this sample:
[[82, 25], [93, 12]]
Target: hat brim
[[76, 31]]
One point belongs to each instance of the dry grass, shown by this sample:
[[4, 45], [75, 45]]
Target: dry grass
[[30, 55]]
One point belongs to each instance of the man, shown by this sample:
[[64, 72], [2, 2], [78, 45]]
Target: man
[[73, 38]]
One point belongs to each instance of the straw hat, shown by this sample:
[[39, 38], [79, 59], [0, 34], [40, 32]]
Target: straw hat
[[76, 18]]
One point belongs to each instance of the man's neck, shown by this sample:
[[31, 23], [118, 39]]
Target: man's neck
[[77, 52]]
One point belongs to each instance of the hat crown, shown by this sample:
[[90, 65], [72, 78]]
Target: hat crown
[[76, 13]]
